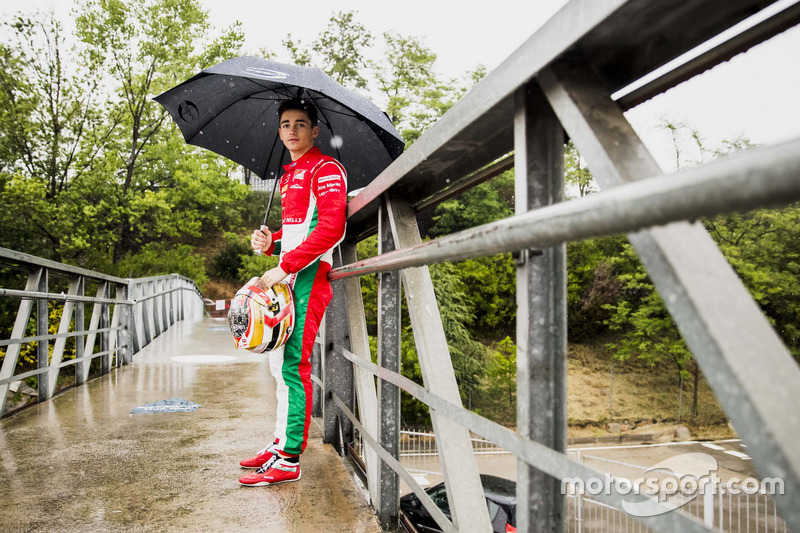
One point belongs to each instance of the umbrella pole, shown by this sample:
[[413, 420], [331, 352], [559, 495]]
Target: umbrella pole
[[274, 186], [266, 215], [269, 203]]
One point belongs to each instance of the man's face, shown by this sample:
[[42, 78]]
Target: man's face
[[296, 132]]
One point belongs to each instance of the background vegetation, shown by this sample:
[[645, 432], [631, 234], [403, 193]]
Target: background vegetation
[[93, 173]]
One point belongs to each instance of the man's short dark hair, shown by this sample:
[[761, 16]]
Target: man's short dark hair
[[299, 104]]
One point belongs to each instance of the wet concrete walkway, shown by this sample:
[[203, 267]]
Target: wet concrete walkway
[[83, 462]]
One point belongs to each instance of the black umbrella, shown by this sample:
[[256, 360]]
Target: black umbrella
[[232, 109]]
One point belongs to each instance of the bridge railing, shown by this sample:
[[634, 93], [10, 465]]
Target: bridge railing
[[65, 318], [559, 85]]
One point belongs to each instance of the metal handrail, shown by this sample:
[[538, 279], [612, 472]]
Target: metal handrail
[[561, 81], [739, 183], [142, 309]]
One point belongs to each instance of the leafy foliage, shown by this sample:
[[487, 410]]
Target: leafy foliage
[[501, 379], [762, 247], [94, 174], [342, 46], [650, 333]]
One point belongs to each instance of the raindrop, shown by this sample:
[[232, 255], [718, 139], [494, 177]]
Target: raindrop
[[253, 159], [227, 141], [337, 142], [447, 180], [201, 132]]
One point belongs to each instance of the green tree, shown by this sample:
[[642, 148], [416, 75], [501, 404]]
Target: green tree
[[484, 203], [46, 115], [649, 333], [592, 285], [575, 173], [299, 54], [502, 378], [341, 46], [468, 355], [404, 76], [762, 247], [145, 46]]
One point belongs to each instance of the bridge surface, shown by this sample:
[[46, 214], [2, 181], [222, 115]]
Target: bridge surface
[[83, 462]]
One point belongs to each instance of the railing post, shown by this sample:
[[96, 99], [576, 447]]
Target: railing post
[[42, 346], [147, 327], [60, 344], [151, 308], [460, 469], [338, 370], [115, 336], [124, 334], [20, 325], [541, 312], [366, 396], [94, 324], [388, 358], [133, 332], [173, 304], [158, 307], [80, 339], [181, 299], [170, 300], [316, 370], [708, 504], [105, 359]]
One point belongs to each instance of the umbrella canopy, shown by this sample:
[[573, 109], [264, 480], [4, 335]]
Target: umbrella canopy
[[232, 109]]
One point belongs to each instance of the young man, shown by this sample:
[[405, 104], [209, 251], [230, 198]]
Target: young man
[[313, 203]]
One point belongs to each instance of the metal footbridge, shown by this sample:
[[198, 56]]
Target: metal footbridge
[[80, 460]]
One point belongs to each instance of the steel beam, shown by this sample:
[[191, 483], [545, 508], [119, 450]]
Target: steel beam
[[105, 337], [80, 325], [43, 346], [94, 324], [60, 344], [366, 396], [18, 331], [749, 368], [113, 338], [541, 313], [543, 458], [388, 394], [317, 370], [460, 470], [763, 177], [338, 371]]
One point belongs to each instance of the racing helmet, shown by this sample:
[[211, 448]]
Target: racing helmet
[[261, 319]]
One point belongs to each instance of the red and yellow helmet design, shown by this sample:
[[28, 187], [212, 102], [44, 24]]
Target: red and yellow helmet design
[[261, 319]]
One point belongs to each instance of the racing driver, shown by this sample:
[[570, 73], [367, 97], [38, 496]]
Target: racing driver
[[313, 202]]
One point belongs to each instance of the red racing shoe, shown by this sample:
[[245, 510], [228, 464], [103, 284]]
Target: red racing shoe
[[278, 470], [261, 458]]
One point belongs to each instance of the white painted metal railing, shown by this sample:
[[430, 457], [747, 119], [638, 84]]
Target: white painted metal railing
[[126, 314]]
